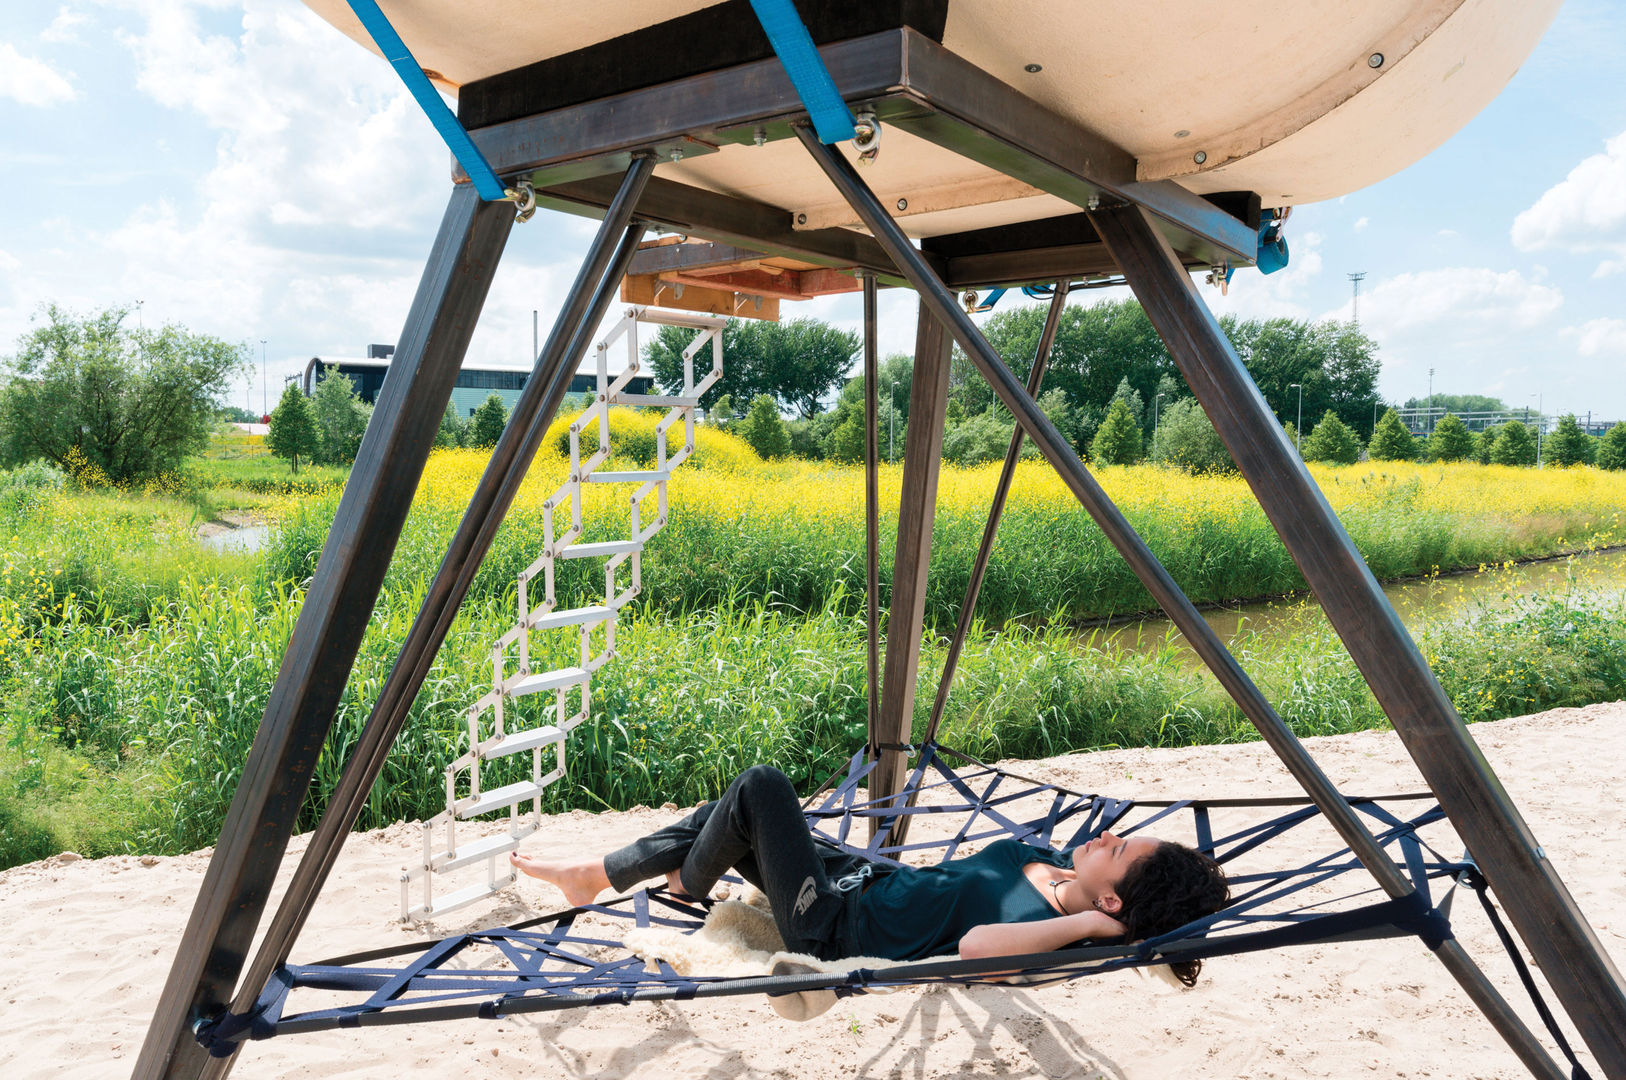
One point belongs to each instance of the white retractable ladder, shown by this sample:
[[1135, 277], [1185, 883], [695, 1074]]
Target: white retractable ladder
[[488, 736]]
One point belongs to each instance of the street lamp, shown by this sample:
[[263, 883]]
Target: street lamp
[[1155, 402], [891, 415], [1298, 428], [265, 392]]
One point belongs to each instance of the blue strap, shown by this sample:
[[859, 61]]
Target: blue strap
[[429, 100], [794, 45]]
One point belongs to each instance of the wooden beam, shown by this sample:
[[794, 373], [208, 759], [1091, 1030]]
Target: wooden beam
[[922, 459], [652, 291]]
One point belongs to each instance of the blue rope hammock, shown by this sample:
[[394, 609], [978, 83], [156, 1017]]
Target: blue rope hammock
[[545, 964]]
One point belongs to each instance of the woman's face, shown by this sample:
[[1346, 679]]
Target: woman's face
[[1101, 864]]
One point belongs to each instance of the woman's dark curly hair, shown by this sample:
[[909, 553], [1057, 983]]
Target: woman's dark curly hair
[[1167, 889]]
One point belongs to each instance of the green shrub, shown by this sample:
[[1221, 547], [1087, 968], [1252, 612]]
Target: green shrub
[[1332, 441]]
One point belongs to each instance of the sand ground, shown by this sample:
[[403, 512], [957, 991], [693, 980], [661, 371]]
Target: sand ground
[[86, 946]]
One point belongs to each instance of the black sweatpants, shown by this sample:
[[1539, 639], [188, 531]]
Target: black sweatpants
[[758, 830]]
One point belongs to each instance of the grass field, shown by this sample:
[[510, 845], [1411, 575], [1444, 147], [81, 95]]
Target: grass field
[[134, 666]]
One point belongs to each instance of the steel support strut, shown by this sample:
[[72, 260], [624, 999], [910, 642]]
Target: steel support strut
[[917, 506], [1537, 903], [1199, 635], [979, 566], [594, 289], [872, 502], [316, 665]]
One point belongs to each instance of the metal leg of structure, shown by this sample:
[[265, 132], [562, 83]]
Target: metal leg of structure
[[872, 504], [323, 647], [922, 460], [1199, 635], [592, 293], [1524, 880], [979, 567]]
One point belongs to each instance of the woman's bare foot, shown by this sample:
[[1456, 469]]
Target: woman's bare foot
[[581, 880], [674, 885]]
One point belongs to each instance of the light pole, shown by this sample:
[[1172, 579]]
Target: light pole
[[265, 391], [1541, 425], [1156, 401], [1431, 401], [140, 322], [1298, 428], [891, 415]]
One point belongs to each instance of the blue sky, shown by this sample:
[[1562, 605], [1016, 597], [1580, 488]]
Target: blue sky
[[242, 169]]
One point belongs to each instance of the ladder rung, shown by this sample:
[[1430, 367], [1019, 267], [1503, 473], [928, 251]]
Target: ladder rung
[[497, 799], [627, 476], [474, 851], [460, 898], [658, 400], [608, 547], [571, 617], [548, 680], [516, 741]]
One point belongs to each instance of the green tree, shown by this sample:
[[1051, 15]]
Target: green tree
[[293, 433], [1332, 440], [453, 429], [763, 428], [1391, 441], [1187, 440], [1451, 441], [1569, 445], [134, 403], [1514, 445], [796, 362], [1485, 445], [341, 419], [1612, 448], [1117, 440], [485, 426], [1334, 363]]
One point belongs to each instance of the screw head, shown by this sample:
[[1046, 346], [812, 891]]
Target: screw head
[[759, 136], [677, 155], [801, 219], [1375, 60], [1200, 156], [1033, 69], [903, 204]]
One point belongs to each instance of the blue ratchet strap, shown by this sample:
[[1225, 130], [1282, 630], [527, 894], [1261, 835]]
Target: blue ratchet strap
[[832, 120], [429, 100]]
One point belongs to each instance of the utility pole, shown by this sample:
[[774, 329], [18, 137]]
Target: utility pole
[[1355, 280], [265, 384]]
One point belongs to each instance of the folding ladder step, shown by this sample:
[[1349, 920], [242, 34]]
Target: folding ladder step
[[664, 401], [571, 617], [460, 898], [497, 799], [515, 741], [627, 476], [474, 851], [548, 680], [608, 547]]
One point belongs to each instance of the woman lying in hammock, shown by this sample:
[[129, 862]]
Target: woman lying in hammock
[[1007, 899]]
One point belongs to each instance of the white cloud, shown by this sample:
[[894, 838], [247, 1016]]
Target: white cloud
[[28, 81], [1476, 300], [1584, 212], [64, 29], [1599, 337], [1360, 223]]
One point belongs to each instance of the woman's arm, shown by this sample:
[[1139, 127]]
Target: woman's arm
[[1043, 935]]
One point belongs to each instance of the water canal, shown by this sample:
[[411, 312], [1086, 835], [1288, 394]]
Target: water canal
[[1432, 599]]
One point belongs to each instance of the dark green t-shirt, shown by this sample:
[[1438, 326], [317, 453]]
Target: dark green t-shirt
[[919, 911]]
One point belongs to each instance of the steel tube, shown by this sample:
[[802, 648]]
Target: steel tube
[[1524, 880], [299, 711], [1007, 472], [595, 288], [1151, 573], [872, 503]]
